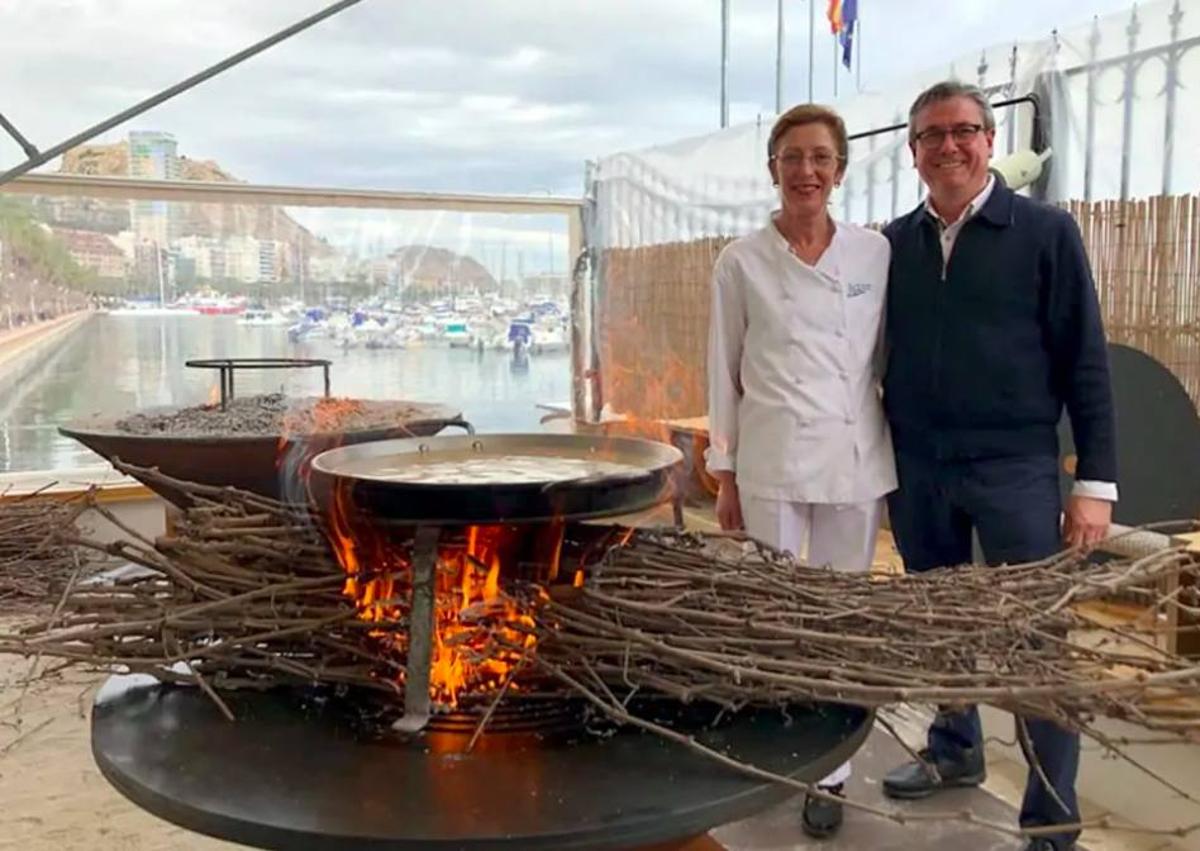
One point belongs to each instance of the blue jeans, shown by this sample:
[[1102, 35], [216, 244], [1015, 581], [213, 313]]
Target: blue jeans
[[1013, 504]]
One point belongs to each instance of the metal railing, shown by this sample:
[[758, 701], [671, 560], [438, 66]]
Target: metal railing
[[1132, 65]]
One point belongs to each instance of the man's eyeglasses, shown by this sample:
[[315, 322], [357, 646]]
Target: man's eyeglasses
[[820, 160], [935, 137]]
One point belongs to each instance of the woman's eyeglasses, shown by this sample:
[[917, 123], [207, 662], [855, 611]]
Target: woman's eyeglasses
[[820, 160]]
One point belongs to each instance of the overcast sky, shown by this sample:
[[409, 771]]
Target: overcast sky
[[454, 95], [483, 95]]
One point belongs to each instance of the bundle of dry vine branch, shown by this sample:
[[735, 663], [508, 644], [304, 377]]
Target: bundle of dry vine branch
[[35, 561], [691, 616], [246, 592]]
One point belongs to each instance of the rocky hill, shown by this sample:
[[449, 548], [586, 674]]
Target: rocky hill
[[424, 267], [419, 267], [210, 220]]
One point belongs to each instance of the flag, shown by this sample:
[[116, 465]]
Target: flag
[[834, 14], [848, 17]]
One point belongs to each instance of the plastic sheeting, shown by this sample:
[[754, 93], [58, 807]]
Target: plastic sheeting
[[1116, 93]]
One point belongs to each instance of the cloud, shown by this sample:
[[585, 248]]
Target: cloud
[[537, 81], [523, 58], [450, 95]]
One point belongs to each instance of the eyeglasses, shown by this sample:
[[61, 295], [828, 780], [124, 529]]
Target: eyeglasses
[[935, 137], [820, 160]]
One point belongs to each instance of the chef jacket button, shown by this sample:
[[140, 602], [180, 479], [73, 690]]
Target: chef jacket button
[[839, 333], [849, 420], [843, 376]]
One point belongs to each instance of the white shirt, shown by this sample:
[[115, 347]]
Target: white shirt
[[949, 233], [793, 399]]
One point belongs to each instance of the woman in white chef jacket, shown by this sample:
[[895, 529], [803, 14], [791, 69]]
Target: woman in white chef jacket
[[798, 439]]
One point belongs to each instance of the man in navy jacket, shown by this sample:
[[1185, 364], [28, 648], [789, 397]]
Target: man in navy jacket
[[993, 328]]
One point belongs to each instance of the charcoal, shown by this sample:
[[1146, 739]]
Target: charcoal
[[275, 413]]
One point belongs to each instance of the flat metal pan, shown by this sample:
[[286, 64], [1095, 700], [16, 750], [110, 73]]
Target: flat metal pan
[[495, 478]]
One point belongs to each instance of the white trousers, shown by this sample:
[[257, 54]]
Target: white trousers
[[838, 536]]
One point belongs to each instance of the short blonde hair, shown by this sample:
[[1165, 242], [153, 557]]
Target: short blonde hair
[[811, 113]]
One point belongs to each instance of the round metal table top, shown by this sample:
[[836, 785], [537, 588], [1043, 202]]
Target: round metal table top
[[281, 777]]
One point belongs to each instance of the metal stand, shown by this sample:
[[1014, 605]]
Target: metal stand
[[420, 632], [226, 367]]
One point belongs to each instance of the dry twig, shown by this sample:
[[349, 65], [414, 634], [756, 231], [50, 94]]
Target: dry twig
[[246, 593]]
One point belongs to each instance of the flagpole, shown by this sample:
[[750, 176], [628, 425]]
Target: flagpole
[[858, 58], [812, 26], [779, 58], [725, 63], [835, 67]]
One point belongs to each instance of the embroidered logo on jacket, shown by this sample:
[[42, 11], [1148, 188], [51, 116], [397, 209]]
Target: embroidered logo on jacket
[[853, 290]]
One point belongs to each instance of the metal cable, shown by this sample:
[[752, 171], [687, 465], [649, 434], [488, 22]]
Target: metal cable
[[166, 94]]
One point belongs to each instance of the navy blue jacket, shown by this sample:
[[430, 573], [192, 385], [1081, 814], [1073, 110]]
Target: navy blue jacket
[[984, 356]]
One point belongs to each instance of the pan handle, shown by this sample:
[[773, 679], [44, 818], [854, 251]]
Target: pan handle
[[441, 424], [461, 423]]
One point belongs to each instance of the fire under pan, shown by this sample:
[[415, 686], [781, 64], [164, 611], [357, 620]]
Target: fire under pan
[[286, 777], [417, 493]]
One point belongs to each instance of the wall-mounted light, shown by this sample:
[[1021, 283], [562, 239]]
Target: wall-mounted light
[[1020, 168]]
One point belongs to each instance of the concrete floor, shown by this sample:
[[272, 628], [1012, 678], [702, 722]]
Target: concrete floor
[[779, 828]]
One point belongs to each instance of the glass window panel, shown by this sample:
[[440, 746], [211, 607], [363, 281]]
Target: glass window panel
[[407, 304]]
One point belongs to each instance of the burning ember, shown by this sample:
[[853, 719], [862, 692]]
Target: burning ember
[[326, 414], [480, 631], [479, 628], [489, 582], [453, 546]]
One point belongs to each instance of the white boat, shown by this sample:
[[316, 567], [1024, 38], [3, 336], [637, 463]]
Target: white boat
[[262, 318], [151, 308], [548, 337], [457, 334], [215, 304]]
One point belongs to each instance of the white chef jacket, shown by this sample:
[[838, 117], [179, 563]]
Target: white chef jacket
[[793, 400]]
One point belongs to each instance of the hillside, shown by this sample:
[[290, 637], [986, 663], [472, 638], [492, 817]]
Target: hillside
[[424, 267], [208, 220]]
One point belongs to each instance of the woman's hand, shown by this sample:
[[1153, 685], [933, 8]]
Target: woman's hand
[[729, 505]]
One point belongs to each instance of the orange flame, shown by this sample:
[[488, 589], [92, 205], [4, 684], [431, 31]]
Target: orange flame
[[659, 398], [481, 630], [489, 582], [481, 627]]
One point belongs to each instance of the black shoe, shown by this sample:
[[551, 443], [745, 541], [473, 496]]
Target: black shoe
[[1041, 843], [822, 817], [913, 780]]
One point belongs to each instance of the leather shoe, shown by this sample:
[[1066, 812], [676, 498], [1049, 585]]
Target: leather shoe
[[1042, 843], [914, 780], [822, 817]]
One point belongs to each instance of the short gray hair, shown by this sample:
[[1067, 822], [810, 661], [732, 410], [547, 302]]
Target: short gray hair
[[946, 90]]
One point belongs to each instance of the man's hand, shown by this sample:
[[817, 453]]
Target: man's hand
[[1086, 521], [729, 505]]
